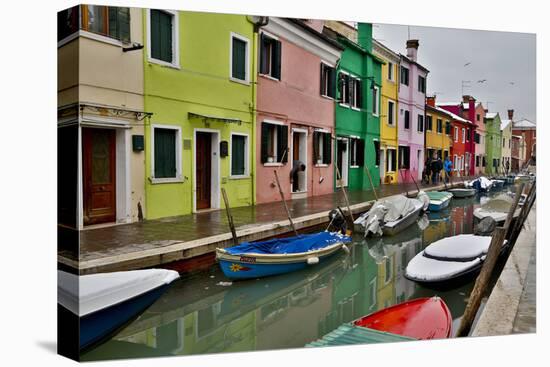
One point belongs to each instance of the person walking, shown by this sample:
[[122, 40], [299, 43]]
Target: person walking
[[427, 169], [439, 169], [448, 166], [297, 166], [434, 167]]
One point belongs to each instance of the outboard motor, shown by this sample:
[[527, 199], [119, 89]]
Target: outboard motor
[[337, 221]]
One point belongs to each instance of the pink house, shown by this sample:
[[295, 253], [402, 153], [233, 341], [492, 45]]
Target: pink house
[[411, 124], [295, 109]]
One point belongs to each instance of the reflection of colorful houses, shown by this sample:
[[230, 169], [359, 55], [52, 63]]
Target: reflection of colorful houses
[[412, 101], [389, 108]]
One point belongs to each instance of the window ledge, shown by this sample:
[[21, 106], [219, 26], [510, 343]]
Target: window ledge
[[92, 36], [239, 177], [354, 166], [345, 105], [240, 81], [355, 108], [163, 63], [166, 180], [321, 165], [267, 76], [327, 97], [273, 164]]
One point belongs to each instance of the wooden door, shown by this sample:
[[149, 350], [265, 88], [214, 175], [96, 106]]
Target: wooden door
[[99, 175], [204, 169], [295, 146]]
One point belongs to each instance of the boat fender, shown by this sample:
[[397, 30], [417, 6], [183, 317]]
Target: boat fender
[[312, 260], [346, 249]]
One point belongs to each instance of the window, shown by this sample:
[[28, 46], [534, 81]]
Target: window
[[239, 155], [391, 160], [429, 124], [239, 58], [503, 142], [447, 128], [463, 135], [390, 71], [357, 93], [455, 163], [439, 126], [456, 134], [391, 112], [477, 138], [404, 157], [163, 37], [270, 56], [376, 153], [483, 161], [328, 81], [421, 84], [407, 120], [109, 21], [509, 144], [477, 161], [478, 117], [357, 152], [404, 75], [375, 100], [274, 148], [420, 125], [166, 162], [468, 134], [344, 88], [322, 147]]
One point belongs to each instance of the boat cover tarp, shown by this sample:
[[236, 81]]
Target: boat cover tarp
[[386, 210], [439, 195], [423, 268], [290, 245], [86, 294], [480, 183], [348, 334], [464, 247]]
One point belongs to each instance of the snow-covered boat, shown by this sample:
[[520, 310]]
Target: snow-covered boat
[[389, 216], [277, 256], [449, 260], [481, 184], [497, 208], [103, 303]]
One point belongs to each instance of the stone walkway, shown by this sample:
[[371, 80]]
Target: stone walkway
[[154, 234], [526, 317]]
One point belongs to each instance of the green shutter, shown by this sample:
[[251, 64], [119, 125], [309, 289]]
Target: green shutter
[[161, 35], [359, 93], [165, 153], [360, 159], [265, 139], [238, 155], [282, 142], [263, 54], [322, 79], [316, 136], [239, 59], [327, 148], [276, 61]]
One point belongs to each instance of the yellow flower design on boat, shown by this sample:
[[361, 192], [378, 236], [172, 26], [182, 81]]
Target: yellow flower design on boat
[[238, 267]]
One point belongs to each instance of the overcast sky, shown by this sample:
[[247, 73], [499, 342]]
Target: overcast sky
[[501, 58]]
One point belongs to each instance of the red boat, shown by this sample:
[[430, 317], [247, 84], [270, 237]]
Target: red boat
[[421, 318]]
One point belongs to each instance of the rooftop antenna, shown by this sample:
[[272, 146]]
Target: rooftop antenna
[[409, 32], [465, 84], [487, 104]]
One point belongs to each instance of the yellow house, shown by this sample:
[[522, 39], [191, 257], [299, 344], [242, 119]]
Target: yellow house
[[438, 121], [388, 119]]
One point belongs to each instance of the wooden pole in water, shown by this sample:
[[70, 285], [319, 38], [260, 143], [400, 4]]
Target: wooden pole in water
[[404, 183], [284, 202], [230, 218], [415, 184], [371, 183], [482, 280], [344, 192]]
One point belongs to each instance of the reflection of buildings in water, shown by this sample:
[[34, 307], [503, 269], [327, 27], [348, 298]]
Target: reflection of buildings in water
[[404, 253]]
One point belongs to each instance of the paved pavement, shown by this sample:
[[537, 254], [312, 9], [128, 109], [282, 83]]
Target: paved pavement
[[128, 238], [526, 317]]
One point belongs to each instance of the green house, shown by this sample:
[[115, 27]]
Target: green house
[[493, 142], [357, 107], [199, 83]]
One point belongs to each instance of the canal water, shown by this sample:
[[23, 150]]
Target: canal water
[[206, 313]]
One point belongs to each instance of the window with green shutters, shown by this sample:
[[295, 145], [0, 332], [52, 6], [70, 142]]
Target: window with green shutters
[[109, 21], [165, 150], [238, 155], [161, 35], [328, 81], [270, 56], [322, 147], [274, 143], [239, 56]]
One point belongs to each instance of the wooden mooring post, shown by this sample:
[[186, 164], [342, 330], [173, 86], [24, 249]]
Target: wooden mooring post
[[284, 202], [371, 183], [230, 218], [484, 276]]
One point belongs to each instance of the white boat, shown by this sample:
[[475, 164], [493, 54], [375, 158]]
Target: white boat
[[462, 192], [102, 303], [390, 215], [497, 208], [449, 260]]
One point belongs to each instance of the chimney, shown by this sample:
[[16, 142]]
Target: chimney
[[364, 35], [412, 49], [472, 110], [430, 101], [466, 98], [511, 115]]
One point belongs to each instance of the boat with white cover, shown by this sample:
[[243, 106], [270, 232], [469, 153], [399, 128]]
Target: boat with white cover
[[389, 216], [497, 208], [449, 260], [102, 303]]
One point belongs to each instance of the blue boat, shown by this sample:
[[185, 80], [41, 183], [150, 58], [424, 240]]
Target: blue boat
[[103, 303], [278, 256], [439, 200]]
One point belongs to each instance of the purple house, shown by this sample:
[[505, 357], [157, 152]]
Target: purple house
[[412, 100]]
